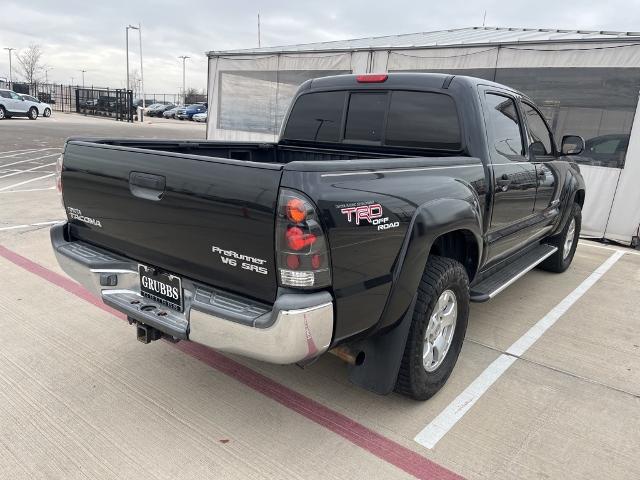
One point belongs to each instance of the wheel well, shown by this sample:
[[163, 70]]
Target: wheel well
[[579, 198], [459, 245]]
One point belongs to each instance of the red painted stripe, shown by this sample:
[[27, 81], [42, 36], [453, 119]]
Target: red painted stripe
[[379, 445]]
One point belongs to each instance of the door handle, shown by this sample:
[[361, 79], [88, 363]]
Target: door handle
[[147, 185], [503, 182]]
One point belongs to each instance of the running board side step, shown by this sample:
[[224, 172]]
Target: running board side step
[[491, 286]]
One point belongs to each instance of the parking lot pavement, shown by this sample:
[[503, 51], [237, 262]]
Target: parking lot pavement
[[80, 397]]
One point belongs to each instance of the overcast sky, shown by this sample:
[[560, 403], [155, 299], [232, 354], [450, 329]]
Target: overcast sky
[[88, 35]]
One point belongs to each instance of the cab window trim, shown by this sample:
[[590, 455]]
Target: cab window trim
[[554, 148], [490, 131]]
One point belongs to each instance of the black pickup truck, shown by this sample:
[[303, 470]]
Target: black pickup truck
[[388, 204]]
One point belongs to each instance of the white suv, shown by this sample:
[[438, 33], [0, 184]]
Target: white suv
[[13, 105], [44, 109]]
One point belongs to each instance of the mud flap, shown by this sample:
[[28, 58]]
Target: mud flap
[[383, 355]]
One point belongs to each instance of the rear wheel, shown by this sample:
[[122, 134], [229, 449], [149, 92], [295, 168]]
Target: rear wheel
[[3, 113], [33, 113], [566, 241], [437, 330]]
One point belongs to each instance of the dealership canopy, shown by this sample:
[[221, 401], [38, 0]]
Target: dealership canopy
[[585, 82]]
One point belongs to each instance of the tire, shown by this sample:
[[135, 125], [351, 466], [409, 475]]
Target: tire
[[33, 113], [3, 113], [47, 113], [442, 276], [566, 241]]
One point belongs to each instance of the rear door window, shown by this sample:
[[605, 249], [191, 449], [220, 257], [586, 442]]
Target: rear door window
[[316, 117], [365, 117], [423, 120]]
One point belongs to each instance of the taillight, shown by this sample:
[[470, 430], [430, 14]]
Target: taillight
[[301, 248], [59, 165], [372, 78]]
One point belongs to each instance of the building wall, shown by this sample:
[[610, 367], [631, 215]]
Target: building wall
[[589, 89]]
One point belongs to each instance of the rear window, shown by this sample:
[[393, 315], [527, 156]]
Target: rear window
[[423, 120], [406, 119], [316, 117], [365, 117]]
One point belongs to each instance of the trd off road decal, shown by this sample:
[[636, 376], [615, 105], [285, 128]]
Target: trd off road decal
[[367, 213]]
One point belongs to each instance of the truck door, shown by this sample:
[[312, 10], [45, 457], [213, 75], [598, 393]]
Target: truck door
[[514, 177], [542, 153]]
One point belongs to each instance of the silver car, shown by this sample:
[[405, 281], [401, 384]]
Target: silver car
[[200, 117]]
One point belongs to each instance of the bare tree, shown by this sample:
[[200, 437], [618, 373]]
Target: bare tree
[[30, 63], [192, 95]]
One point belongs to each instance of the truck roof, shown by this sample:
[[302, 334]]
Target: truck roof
[[414, 80]]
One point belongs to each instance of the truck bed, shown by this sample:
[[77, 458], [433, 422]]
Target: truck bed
[[247, 151]]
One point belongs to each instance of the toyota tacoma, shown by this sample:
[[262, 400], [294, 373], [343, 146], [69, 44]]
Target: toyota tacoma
[[388, 204]]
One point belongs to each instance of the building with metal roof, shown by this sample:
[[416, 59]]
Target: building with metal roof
[[585, 81], [477, 36]]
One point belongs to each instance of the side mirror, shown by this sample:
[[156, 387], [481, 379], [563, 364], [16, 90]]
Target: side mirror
[[572, 145]]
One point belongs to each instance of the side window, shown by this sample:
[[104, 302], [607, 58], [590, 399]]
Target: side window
[[365, 117], [14, 95], [4, 94], [540, 136], [505, 133]]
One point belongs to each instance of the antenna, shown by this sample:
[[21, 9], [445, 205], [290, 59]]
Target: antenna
[[258, 30]]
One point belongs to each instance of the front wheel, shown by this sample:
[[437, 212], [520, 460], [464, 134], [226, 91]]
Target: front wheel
[[47, 112], [566, 241], [3, 113], [437, 331], [33, 113]]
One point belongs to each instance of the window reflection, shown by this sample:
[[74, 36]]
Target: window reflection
[[596, 103]]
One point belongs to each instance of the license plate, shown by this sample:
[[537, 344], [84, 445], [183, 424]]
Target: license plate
[[161, 287]]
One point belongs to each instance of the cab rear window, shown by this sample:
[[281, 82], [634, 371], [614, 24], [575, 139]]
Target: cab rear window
[[393, 118]]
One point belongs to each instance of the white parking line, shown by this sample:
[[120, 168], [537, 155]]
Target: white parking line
[[9, 187], [28, 190], [445, 421], [25, 152], [611, 249], [27, 170], [39, 224], [29, 160]]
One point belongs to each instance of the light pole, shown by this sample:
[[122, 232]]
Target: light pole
[[10, 72], [83, 72], [184, 91], [46, 74], [141, 70]]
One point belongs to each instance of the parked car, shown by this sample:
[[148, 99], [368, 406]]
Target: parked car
[[171, 113], [44, 109], [13, 105], [200, 117], [187, 113], [160, 109], [387, 205]]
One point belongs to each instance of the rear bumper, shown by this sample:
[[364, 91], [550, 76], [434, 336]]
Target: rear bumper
[[296, 327]]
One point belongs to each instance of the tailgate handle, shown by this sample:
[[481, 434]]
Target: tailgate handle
[[147, 185]]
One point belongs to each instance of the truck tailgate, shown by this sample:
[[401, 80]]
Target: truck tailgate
[[208, 219]]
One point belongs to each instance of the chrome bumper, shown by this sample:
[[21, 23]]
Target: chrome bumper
[[296, 327]]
